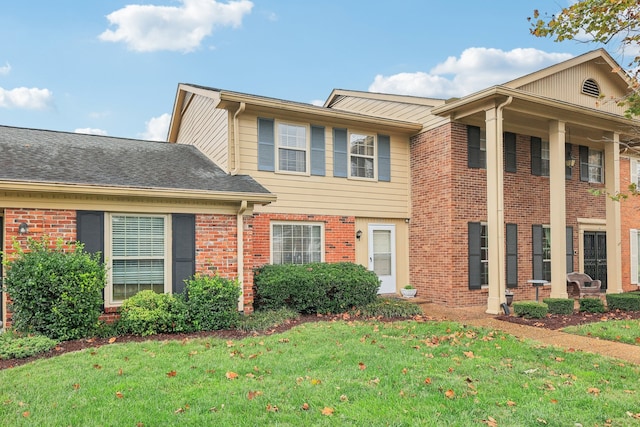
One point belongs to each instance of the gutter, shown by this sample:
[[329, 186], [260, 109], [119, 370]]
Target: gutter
[[236, 139], [240, 251]]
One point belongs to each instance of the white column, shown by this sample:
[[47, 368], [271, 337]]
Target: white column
[[614, 234], [557, 209], [495, 211]]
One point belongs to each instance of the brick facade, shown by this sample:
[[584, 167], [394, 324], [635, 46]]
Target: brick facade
[[629, 219], [339, 232], [447, 195]]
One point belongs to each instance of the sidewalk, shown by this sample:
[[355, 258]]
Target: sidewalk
[[477, 317]]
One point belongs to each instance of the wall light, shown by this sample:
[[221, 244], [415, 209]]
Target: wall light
[[358, 234], [570, 161], [23, 228]]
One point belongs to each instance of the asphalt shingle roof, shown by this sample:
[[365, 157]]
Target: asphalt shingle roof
[[33, 155]]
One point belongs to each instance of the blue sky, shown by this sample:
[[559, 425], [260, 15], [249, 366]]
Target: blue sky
[[113, 67]]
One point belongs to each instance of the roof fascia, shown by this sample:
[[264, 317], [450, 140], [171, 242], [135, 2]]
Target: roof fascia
[[179, 108], [405, 99], [157, 193]]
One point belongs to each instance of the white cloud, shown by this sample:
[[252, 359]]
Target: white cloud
[[6, 69], [147, 28], [26, 98], [475, 69], [157, 128], [317, 102], [91, 131]]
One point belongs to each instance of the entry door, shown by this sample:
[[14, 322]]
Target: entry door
[[595, 256], [382, 256]]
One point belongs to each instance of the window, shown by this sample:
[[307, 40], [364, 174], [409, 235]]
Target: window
[[476, 147], [362, 155], [138, 255], [591, 165], [546, 253], [296, 243], [292, 148], [539, 156], [484, 257], [544, 158]]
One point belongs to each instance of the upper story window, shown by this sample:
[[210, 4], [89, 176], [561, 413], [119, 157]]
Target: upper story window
[[362, 155], [539, 156], [476, 147], [292, 148], [590, 87], [591, 165]]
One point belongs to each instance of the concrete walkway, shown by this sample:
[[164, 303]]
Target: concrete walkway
[[476, 316]]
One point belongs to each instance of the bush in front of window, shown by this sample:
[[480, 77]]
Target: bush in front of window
[[625, 302], [314, 288], [150, 313], [212, 302], [56, 289], [559, 305]]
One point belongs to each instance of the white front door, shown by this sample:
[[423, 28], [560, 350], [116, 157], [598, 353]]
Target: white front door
[[382, 255]]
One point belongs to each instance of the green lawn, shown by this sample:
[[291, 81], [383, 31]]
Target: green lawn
[[625, 331], [326, 373]]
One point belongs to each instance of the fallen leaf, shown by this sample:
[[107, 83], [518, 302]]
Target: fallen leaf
[[362, 366], [76, 386], [97, 366], [252, 394], [449, 394], [511, 403], [315, 381], [178, 411], [26, 414], [120, 371], [272, 408], [230, 344], [327, 411], [404, 371], [231, 375], [469, 354], [112, 340], [171, 374], [491, 422], [344, 398], [541, 420], [554, 401], [119, 395], [427, 380], [593, 390]]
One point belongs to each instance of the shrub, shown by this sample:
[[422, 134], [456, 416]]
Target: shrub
[[532, 309], [15, 346], [314, 288], [625, 302], [559, 305], [592, 305], [55, 291], [212, 302], [149, 313], [390, 308]]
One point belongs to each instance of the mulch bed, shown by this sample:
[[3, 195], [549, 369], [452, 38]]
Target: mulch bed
[[551, 321]]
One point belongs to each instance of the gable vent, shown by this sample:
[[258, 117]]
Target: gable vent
[[591, 88]]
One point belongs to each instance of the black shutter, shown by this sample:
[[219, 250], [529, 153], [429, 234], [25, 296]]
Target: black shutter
[[510, 152], [512, 255], [584, 163], [183, 249], [384, 158], [266, 145], [536, 156], [90, 230], [568, 170], [570, 249], [537, 252], [475, 256], [317, 151], [340, 153], [475, 156]]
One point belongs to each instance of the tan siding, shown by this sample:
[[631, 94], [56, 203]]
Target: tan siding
[[388, 109], [207, 128], [567, 86], [326, 195]]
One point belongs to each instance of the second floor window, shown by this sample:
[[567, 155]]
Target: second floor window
[[292, 148], [591, 165], [362, 155]]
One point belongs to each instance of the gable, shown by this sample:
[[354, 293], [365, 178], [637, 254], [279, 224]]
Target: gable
[[598, 76]]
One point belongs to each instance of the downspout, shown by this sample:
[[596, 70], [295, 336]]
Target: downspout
[[236, 140], [502, 288], [240, 251]]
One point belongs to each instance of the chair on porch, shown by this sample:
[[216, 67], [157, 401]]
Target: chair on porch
[[582, 284]]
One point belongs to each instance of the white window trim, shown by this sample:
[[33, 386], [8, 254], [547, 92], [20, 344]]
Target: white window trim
[[322, 237], [546, 227], [633, 250], [307, 149], [108, 292], [375, 155]]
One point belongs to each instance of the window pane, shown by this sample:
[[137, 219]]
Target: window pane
[[544, 158], [292, 146], [484, 255], [131, 276], [292, 136], [292, 160], [137, 236], [362, 167], [296, 243]]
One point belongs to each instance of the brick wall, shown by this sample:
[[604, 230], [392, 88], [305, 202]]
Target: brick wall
[[629, 219], [339, 235], [447, 195]]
